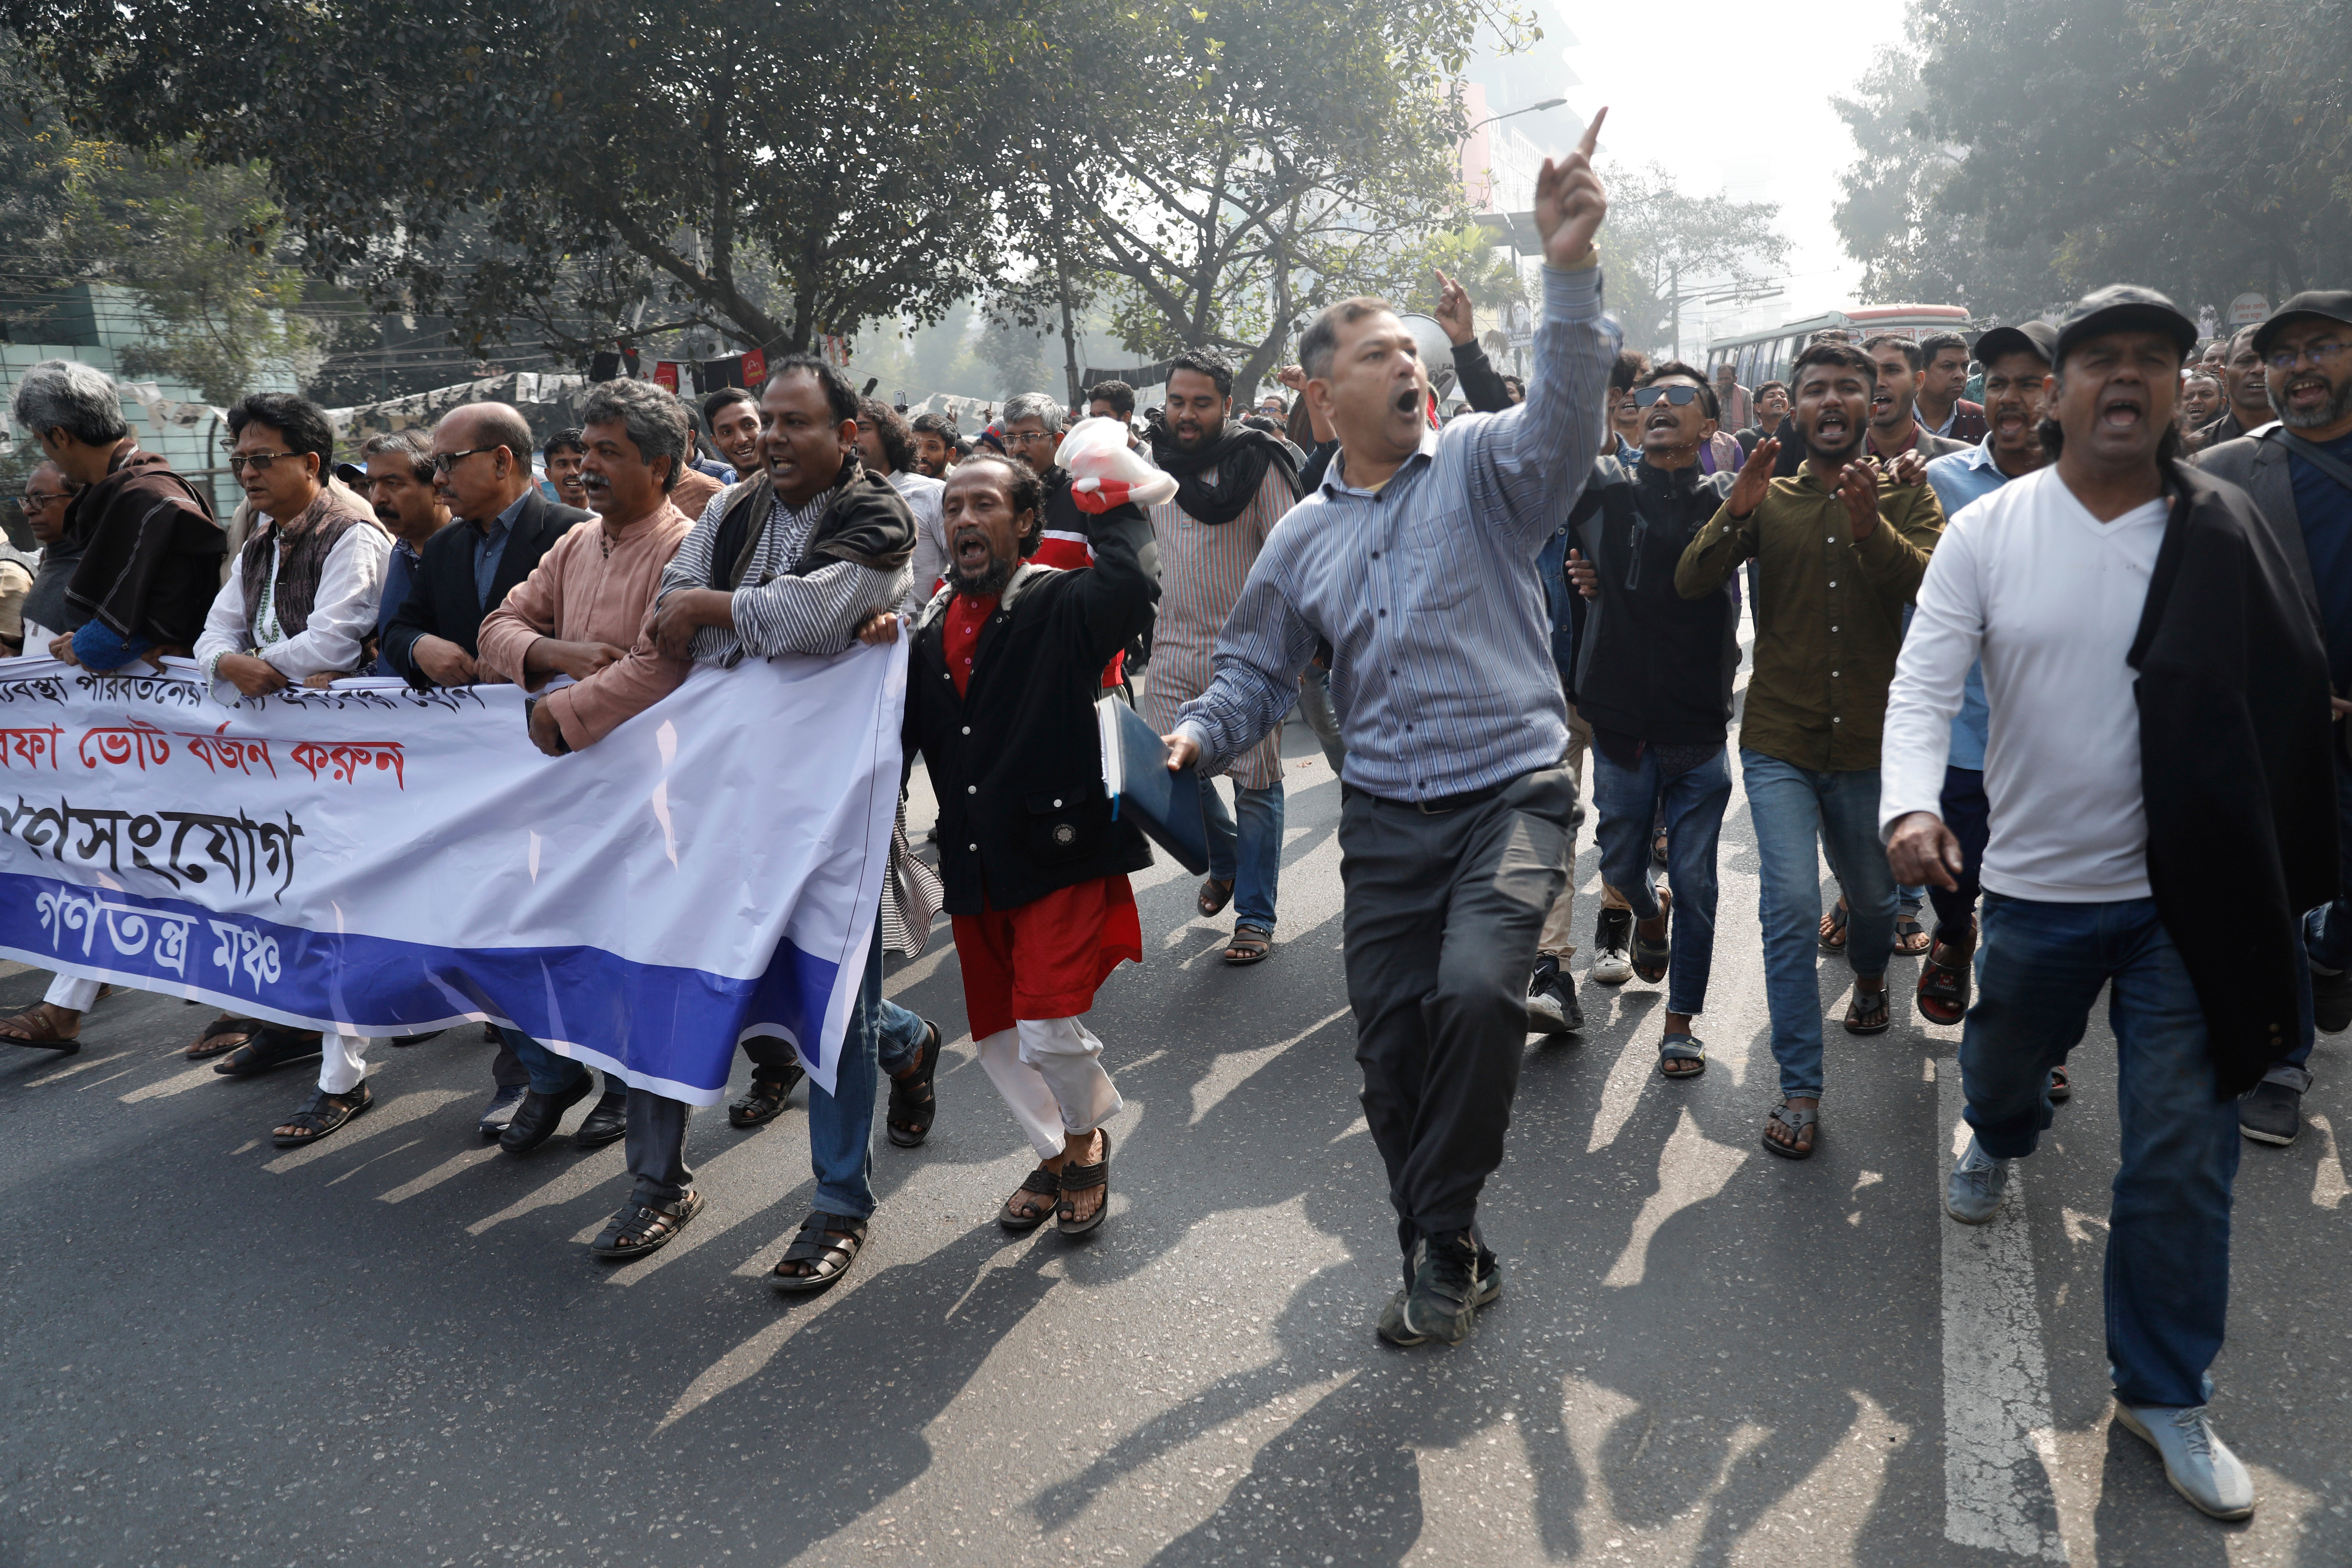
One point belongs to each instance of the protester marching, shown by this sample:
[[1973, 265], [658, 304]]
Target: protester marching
[[592, 755]]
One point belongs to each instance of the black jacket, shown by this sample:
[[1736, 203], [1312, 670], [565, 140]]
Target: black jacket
[[1016, 761], [2235, 767], [441, 598], [1650, 663]]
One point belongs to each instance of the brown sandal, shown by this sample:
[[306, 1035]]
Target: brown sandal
[[1047, 1184], [35, 1028]]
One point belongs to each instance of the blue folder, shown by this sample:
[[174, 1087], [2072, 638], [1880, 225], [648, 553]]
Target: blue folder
[[1166, 805]]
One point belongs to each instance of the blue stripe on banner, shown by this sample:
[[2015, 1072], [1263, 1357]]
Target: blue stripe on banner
[[674, 1028]]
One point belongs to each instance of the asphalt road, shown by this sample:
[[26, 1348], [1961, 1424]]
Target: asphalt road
[[395, 1349]]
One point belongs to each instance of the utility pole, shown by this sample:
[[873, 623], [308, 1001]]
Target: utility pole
[[1070, 333]]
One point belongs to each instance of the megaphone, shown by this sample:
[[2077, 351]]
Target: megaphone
[[1436, 350]]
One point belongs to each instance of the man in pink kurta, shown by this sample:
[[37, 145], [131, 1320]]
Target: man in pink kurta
[[585, 612]]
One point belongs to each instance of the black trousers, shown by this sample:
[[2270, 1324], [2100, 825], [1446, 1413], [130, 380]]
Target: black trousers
[[1442, 915], [1969, 815]]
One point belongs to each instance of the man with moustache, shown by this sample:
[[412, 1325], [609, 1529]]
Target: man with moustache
[[935, 445], [2016, 362], [2246, 383], [2299, 473], [2163, 810], [1232, 485], [1840, 547], [579, 614], [399, 468]]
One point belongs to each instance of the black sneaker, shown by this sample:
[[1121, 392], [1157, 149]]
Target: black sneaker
[[2331, 999], [2270, 1113], [1552, 1007], [1650, 958], [1443, 1300]]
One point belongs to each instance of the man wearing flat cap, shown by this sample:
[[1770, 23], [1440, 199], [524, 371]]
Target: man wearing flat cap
[[2163, 809], [2299, 471]]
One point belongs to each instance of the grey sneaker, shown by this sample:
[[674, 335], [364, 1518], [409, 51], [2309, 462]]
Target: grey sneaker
[[500, 1111], [1612, 935], [1973, 1194], [2195, 1461], [1443, 1300]]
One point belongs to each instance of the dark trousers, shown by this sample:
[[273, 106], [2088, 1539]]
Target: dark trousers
[[506, 1070], [1969, 815], [1442, 915]]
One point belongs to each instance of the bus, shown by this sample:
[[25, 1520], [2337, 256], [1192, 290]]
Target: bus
[[1759, 357]]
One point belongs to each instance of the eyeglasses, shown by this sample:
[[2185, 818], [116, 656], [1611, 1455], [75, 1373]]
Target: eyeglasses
[[257, 461], [445, 461], [34, 501], [2323, 355], [1680, 396], [1030, 437]]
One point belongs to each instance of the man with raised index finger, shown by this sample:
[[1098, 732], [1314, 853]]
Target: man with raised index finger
[[1414, 561]]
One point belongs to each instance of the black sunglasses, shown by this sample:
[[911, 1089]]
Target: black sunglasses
[[1677, 396]]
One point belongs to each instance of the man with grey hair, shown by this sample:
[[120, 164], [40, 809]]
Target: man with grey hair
[[581, 613], [399, 466], [1033, 433], [151, 548]]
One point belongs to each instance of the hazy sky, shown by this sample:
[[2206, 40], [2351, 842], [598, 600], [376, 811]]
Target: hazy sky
[[1762, 72]]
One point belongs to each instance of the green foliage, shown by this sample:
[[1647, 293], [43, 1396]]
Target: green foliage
[[1657, 238]]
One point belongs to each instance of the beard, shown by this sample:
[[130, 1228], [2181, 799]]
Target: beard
[[992, 583], [2338, 403]]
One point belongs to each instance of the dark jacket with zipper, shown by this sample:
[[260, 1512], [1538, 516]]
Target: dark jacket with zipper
[[1016, 760], [442, 601], [1650, 663], [2236, 769]]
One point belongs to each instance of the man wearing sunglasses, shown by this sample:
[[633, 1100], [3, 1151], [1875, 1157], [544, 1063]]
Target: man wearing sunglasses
[[2299, 471], [481, 467], [1653, 676]]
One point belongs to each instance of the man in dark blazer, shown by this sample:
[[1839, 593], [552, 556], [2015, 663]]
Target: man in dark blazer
[[500, 526], [481, 461]]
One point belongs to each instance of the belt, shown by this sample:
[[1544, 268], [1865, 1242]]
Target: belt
[[1440, 806]]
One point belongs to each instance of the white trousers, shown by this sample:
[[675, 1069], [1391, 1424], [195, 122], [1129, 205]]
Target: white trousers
[[342, 1058], [1050, 1072]]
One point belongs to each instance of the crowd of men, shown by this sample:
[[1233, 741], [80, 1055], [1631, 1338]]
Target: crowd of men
[[2015, 658]]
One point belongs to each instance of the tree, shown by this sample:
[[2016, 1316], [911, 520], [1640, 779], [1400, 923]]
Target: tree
[[1290, 154], [624, 164], [1658, 240]]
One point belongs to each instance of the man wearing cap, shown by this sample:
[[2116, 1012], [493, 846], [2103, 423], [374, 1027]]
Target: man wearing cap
[[2017, 362], [2299, 472], [2161, 795]]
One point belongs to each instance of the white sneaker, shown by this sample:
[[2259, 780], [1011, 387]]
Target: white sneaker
[[2195, 1461], [1612, 935]]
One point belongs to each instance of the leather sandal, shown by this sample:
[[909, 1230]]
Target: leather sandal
[[1681, 1055], [762, 1100], [827, 1255], [1910, 936], [1215, 894], [321, 1115], [914, 1102], [270, 1048], [1873, 1020], [1078, 1178], [35, 1028], [1796, 1122], [640, 1228], [1944, 979], [1832, 931], [1250, 944], [223, 1035], [1021, 1221]]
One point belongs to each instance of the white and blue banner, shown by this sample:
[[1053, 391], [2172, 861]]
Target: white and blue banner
[[383, 861]]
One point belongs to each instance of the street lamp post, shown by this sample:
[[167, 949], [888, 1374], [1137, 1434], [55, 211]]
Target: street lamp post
[[1510, 114]]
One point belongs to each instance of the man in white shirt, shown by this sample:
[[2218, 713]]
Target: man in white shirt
[[886, 445], [2099, 592]]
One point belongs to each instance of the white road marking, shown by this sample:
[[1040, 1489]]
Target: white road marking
[[2328, 1183], [1997, 1423]]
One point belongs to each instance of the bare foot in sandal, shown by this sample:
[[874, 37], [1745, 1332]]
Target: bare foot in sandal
[[1081, 1149], [1799, 1143], [46, 1024]]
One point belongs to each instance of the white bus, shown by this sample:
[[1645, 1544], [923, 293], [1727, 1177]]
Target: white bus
[[1759, 357]]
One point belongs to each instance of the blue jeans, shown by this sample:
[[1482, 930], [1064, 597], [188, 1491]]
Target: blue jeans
[[2168, 1222], [1692, 802], [1249, 855], [549, 1074], [1798, 815]]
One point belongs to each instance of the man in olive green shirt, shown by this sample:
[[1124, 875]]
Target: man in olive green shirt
[[1839, 547]]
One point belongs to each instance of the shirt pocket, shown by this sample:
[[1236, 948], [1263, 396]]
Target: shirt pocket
[[1437, 569], [1067, 825]]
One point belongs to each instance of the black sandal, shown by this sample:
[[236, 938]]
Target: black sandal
[[1910, 936], [764, 1101], [223, 1035], [1796, 1122], [270, 1048], [828, 1255], [1681, 1056], [640, 1228], [1041, 1181], [2060, 1090], [1943, 997], [1079, 1178], [1875, 1020], [1833, 928], [323, 1115], [914, 1104], [1250, 944], [1215, 894]]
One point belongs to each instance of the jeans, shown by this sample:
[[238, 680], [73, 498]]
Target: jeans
[[1693, 801], [2326, 932], [2167, 1274], [549, 1074], [1315, 707], [1798, 815], [1250, 854], [1969, 815]]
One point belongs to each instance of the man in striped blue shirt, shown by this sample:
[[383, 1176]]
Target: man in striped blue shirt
[[1414, 560]]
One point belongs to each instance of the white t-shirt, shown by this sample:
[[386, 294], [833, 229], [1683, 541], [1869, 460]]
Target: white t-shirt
[[2051, 598]]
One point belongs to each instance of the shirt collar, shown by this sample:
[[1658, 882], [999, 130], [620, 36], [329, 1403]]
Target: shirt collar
[[1981, 455], [1335, 483], [505, 519]]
